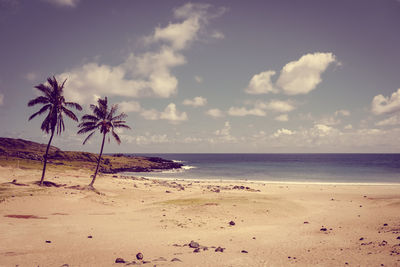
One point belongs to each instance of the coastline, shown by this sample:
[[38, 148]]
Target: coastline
[[277, 224]]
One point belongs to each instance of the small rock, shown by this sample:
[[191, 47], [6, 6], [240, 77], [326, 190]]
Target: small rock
[[119, 260], [398, 237], [219, 249], [89, 236], [196, 250], [65, 265], [323, 229], [254, 237], [362, 238], [232, 223], [145, 262], [306, 222], [193, 244], [244, 251], [167, 191], [176, 259], [385, 224], [139, 256], [48, 241]]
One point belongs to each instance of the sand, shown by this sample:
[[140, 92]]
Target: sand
[[275, 224]]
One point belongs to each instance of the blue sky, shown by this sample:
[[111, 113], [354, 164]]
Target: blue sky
[[211, 76]]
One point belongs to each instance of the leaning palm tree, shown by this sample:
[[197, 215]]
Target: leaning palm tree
[[53, 101], [104, 120]]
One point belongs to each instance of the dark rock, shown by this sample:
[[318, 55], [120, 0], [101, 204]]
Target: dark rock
[[145, 262], [193, 244], [176, 259], [306, 222], [167, 191], [139, 256], [232, 223], [323, 229], [361, 239], [119, 260], [48, 241], [244, 251], [89, 236], [65, 265], [196, 250], [398, 237], [385, 224], [219, 249]]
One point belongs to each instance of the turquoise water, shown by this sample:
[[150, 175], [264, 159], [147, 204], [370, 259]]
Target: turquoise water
[[331, 168]]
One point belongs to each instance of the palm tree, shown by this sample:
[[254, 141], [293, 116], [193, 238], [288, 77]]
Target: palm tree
[[53, 101], [105, 120]]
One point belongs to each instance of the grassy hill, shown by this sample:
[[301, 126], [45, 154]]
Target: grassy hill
[[28, 154]]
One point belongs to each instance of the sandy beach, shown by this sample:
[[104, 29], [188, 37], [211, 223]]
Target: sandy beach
[[248, 223]]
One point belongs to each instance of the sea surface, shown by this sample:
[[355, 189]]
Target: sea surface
[[325, 168]]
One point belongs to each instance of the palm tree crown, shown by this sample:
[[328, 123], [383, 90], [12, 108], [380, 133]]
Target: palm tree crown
[[103, 119], [54, 102]]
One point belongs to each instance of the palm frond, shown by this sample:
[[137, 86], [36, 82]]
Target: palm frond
[[38, 100], [88, 137], [122, 126], [40, 112], [45, 89], [87, 129], [116, 137], [120, 116], [69, 113], [73, 105], [88, 117]]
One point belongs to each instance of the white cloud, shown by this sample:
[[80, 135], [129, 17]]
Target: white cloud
[[31, 76], [261, 83], [131, 106], [391, 121], [302, 76], [198, 101], [198, 79], [146, 139], [385, 105], [150, 114], [215, 113], [67, 3], [171, 114], [342, 112], [348, 127], [218, 35], [224, 134], [278, 106], [242, 111], [321, 130], [282, 131], [283, 117], [147, 74], [1, 99]]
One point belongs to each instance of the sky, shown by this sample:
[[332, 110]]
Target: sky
[[222, 76]]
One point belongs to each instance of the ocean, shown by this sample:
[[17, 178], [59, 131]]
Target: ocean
[[318, 168]]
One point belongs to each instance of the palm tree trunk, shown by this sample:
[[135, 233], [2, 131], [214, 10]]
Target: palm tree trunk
[[98, 161], [45, 158]]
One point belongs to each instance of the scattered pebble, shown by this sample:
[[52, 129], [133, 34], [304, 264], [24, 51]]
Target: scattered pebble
[[193, 244], [244, 251], [232, 223], [196, 250], [119, 260], [323, 229], [139, 256], [362, 238], [219, 249], [306, 222], [176, 259], [385, 224], [48, 241], [89, 236]]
